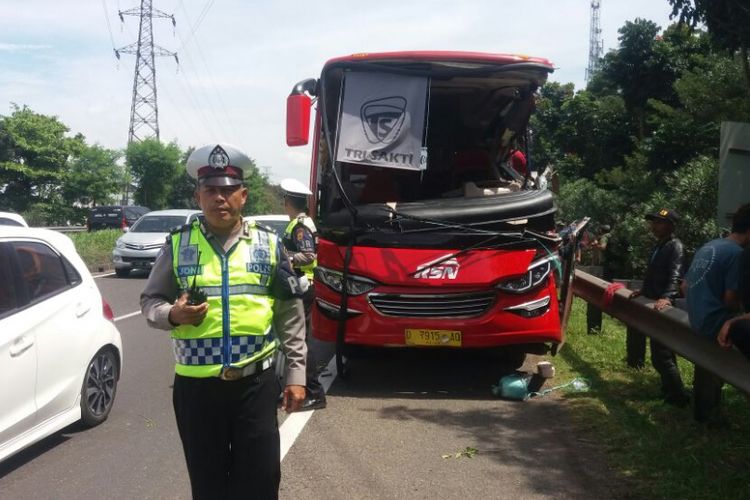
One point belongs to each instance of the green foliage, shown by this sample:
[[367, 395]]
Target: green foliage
[[692, 192], [34, 155], [155, 168], [259, 199], [728, 23], [715, 91], [644, 135]]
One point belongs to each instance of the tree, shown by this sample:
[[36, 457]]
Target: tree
[[728, 23], [93, 177], [154, 167], [184, 186], [34, 155], [260, 200], [638, 71]]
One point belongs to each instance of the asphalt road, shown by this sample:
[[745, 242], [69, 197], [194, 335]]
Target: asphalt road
[[383, 436]]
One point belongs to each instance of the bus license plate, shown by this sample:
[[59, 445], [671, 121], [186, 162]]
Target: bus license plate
[[424, 337]]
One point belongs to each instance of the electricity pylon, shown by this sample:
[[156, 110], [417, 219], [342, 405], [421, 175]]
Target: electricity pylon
[[144, 110]]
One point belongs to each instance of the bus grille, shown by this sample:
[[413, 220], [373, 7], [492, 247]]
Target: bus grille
[[454, 305]]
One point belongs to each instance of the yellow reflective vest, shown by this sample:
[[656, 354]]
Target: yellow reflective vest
[[238, 327], [309, 224]]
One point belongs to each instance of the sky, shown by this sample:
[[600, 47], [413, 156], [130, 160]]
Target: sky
[[239, 59]]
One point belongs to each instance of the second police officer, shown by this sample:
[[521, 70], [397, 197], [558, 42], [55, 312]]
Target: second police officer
[[301, 242]]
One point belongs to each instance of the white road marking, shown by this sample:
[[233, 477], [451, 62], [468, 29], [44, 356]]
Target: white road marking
[[294, 423], [126, 316], [102, 275]]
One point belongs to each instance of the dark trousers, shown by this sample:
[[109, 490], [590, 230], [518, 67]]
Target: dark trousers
[[739, 333], [230, 435], [663, 359], [635, 346], [313, 386]]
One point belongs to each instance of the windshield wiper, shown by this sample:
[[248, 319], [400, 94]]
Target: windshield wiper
[[444, 225]]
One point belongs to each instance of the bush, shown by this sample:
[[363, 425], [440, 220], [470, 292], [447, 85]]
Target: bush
[[95, 248]]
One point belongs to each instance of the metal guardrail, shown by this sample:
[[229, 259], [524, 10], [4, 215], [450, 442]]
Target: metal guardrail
[[67, 229], [670, 327]]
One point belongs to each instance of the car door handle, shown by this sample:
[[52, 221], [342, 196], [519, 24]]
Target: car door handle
[[82, 308], [19, 347]]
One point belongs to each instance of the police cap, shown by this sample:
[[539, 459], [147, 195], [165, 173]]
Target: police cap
[[295, 189], [218, 164]]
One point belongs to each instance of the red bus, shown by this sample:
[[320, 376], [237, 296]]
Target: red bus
[[435, 227]]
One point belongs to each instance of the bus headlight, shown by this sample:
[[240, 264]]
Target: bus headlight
[[355, 285], [535, 276]]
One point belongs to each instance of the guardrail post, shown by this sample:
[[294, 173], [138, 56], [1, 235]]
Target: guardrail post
[[593, 313]]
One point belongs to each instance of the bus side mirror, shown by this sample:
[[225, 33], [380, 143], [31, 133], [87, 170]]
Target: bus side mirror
[[298, 119]]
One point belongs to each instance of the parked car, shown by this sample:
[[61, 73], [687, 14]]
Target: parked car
[[276, 222], [114, 217], [60, 352], [138, 248], [11, 219]]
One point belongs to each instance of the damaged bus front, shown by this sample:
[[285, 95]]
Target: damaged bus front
[[435, 227]]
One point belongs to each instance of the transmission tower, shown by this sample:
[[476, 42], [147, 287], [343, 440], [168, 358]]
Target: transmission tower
[[596, 44], [144, 111]]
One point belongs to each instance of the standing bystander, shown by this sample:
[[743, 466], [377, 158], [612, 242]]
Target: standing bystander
[[712, 287], [661, 283], [598, 249]]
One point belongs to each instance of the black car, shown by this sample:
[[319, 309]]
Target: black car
[[114, 216]]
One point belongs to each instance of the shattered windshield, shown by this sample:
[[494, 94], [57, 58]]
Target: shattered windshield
[[470, 140]]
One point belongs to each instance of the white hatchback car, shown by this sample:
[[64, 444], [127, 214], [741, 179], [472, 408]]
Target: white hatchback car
[[60, 352], [12, 219], [138, 248]]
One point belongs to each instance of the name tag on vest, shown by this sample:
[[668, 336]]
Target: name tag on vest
[[183, 271]]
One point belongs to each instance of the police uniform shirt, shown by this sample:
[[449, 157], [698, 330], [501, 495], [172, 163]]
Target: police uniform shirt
[[302, 251], [288, 314]]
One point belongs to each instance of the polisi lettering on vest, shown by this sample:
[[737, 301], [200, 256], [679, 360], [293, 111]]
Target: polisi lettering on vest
[[259, 267], [447, 269]]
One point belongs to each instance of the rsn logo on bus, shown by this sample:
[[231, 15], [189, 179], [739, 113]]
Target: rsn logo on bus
[[448, 269]]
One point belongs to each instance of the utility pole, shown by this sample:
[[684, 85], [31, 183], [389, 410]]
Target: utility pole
[[596, 44], [144, 111]]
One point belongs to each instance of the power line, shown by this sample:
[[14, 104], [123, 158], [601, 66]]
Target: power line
[[207, 71]]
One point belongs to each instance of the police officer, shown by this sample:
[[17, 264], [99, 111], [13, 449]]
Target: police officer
[[301, 241], [226, 290]]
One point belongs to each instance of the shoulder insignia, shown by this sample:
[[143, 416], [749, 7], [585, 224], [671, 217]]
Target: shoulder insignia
[[179, 229]]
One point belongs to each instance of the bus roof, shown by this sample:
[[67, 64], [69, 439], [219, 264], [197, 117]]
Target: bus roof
[[442, 56]]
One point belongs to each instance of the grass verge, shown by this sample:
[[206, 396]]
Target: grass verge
[[95, 248], [660, 448]]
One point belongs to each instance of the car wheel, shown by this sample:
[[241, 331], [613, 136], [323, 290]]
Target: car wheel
[[122, 272], [99, 388]]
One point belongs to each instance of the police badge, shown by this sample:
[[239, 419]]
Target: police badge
[[218, 159]]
